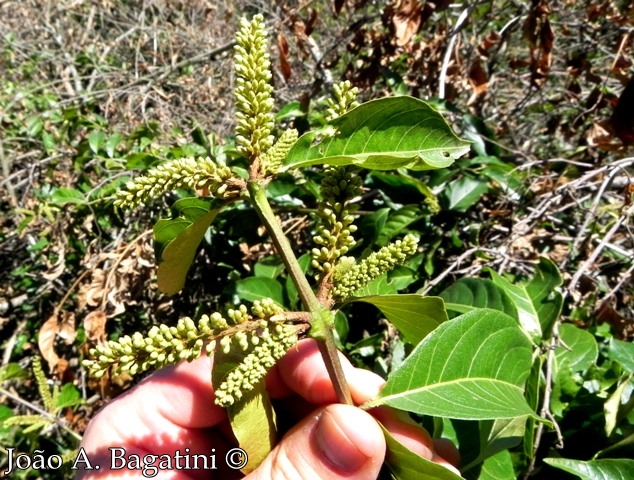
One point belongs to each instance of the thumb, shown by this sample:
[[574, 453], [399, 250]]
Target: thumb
[[337, 441]]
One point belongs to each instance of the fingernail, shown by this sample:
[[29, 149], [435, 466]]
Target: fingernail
[[334, 439]]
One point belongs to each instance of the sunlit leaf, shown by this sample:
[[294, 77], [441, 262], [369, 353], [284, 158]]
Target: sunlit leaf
[[383, 134], [414, 315], [253, 424], [579, 348], [62, 196], [464, 193], [379, 286], [526, 310], [613, 406], [622, 352], [257, 288], [606, 469], [498, 467], [469, 293], [95, 141], [270, 267], [543, 292], [68, 396], [471, 367], [12, 371], [397, 222], [485, 438]]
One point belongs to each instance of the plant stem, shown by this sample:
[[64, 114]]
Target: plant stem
[[322, 322]]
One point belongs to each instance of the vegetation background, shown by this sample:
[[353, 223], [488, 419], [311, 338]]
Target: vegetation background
[[93, 91]]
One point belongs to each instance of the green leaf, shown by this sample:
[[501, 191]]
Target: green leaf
[[532, 393], [372, 225], [414, 315], [112, 144], [397, 222], [527, 314], [622, 352], [270, 267], [291, 290], [612, 408], [68, 396], [379, 286], [402, 277], [49, 142], [290, 110], [95, 141], [62, 196], [607, 469], [403, 188], [485, 438], [407, 465], [383, 134], [464, 193], [257, 288], [177, 239], [471, 367], [253, 423], [497, 467], [543, 292], [469, 293], [11, 371], [5, 412], [579, 348]]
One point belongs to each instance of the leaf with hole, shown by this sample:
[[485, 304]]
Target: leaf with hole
[[383, 134]]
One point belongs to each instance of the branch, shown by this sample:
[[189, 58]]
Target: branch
[[322, 320]]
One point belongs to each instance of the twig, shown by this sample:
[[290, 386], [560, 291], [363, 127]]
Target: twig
[[545, 410], [322, 318], [44, 413], [455, 265], [597, 251], [595, 205], [452, 41], [625, 277], [113, 269]]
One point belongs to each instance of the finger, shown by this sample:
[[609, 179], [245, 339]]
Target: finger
[[417, 439], [167, 412], [336, 442], [302, 370]]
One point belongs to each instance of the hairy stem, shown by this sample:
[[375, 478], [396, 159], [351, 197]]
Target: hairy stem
[[321, 318]]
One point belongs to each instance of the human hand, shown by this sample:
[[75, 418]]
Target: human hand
[[172, 410]]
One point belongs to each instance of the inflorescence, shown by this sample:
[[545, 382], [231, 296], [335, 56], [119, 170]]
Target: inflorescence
[[335, 212], [261, 340], [350, 276], [254, 93], [200, 173]]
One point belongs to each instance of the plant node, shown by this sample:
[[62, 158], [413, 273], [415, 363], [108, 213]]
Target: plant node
[[350, 276], [200, 173]]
